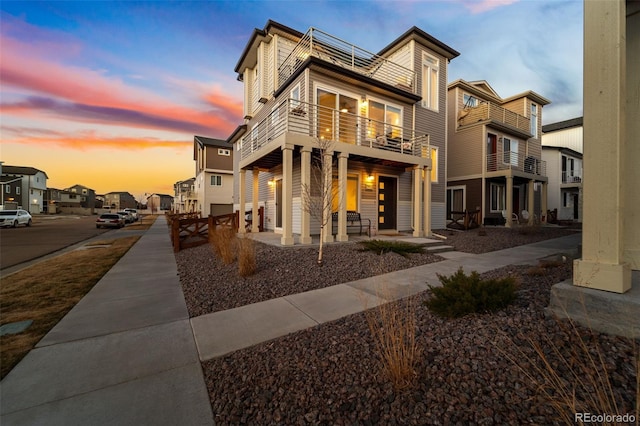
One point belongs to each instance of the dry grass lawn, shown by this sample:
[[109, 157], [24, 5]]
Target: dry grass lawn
[[45, 292], [144, 223]]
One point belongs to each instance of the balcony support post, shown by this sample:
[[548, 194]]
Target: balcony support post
[[305, 181], [255, 221], [342, 197], [543, 203], [327, 165], [287, 195], [509, 205], [426, 205], [242, 196], [417, 201], [531, 200]]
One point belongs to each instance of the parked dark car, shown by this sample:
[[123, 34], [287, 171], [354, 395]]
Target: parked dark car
[[109, 220], [15, 217]]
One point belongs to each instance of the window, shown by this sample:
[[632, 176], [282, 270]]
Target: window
[[510, 151], [223, 151], [84, 191], [216, 180], [469, 101], [434, 164], [384, 120], [565, 199], [352, 194], [534, 120], [455, 200], [17, 190], [498, 197], [7, 189], [430, 78], [295, 95]]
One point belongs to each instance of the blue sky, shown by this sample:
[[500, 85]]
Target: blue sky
[[92, 87]]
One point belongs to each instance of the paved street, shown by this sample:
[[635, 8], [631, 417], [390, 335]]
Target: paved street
[[47, 235]]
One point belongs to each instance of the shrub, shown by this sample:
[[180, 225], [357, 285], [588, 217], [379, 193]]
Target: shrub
[[393, 327], [223, 241], [246, 256], [461, 294], [400, 247]]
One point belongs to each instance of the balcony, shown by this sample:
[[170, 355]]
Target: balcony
[[340, 53], [571, 177], [490, 111], [507, 160], [293, 116]]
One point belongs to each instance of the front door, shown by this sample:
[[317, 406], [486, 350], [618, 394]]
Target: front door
[[387, 202], [279, 203], [575, 206]]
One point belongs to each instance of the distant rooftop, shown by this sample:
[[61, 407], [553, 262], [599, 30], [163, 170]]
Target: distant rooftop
[[561, 125], [21, 170]]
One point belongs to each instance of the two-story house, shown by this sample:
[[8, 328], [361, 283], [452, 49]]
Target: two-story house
[[120, 200], [184, 196], [383, 114], [159, 202], [562, 151], [87, 195], [29, 194], [494, 160], [214, 176]]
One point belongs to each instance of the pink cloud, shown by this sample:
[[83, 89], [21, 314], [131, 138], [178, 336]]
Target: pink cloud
[[26, 67], [480, 6]]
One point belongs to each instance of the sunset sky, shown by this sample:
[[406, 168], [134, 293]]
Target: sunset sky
[[110, 94]]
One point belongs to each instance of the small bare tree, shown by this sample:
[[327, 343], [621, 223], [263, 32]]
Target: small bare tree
[[317, 197]]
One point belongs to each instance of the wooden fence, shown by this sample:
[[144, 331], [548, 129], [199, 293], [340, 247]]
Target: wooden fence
[[194, 231]]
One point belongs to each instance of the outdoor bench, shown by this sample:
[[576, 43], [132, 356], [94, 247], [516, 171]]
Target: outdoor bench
[[354, 220]]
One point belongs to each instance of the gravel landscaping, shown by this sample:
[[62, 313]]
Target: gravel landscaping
[[330, 374]]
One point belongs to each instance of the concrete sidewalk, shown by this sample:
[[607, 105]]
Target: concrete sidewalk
[[223, 332], [128, 354], [125, 354]]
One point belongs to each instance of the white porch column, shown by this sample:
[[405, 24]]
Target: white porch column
[[305, 183], [543, 202], [287, 195], [255, 220], [342, 197], [326, 203], [603, 265], [509, 206], [242, 195], [426, 205], [531, 201], [417, 201]]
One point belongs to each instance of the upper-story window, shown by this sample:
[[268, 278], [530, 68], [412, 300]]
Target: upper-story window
[[295, 95], [534, 120], [510, 151], [223, 151], [17, 190], [469, 101], [385, 120], [430, 79]]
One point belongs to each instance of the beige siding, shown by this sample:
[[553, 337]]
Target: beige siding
[[567, 138]]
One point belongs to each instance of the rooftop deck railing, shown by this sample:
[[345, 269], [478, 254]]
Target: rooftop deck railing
[[491, 111], [507, 160], [346, 55], [334, 125]]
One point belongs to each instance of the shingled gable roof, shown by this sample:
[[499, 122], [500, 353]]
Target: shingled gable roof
[[202, 141], [21, 170], [561, 125], [415, 33]]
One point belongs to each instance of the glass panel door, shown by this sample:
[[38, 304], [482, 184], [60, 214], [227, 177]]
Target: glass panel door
[[326, 107]]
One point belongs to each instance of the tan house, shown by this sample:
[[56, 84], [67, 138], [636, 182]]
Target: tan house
[[494, 159], [184, 196], [385, 117], [213, 183]]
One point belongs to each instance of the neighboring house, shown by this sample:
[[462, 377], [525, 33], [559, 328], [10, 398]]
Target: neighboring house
[[385, 114], [159, 202], [11, 192], [494, 160], [87, 195], [119, 201], [214, 176], [32, 186], [562, 151], [184, 196]]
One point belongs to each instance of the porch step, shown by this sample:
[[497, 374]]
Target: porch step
[[439, 249]]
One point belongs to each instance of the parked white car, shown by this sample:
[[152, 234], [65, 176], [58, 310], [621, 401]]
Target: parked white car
[[15, 217], [133, 212]]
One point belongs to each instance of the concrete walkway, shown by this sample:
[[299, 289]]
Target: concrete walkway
[[127, 353], [124, 355]]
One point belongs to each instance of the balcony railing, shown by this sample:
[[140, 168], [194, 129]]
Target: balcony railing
[[508, 160], [491, 111], [338, 52], [330, 124], [571, 177]]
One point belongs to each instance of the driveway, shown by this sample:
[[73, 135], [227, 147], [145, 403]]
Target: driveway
[[47, 235]]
